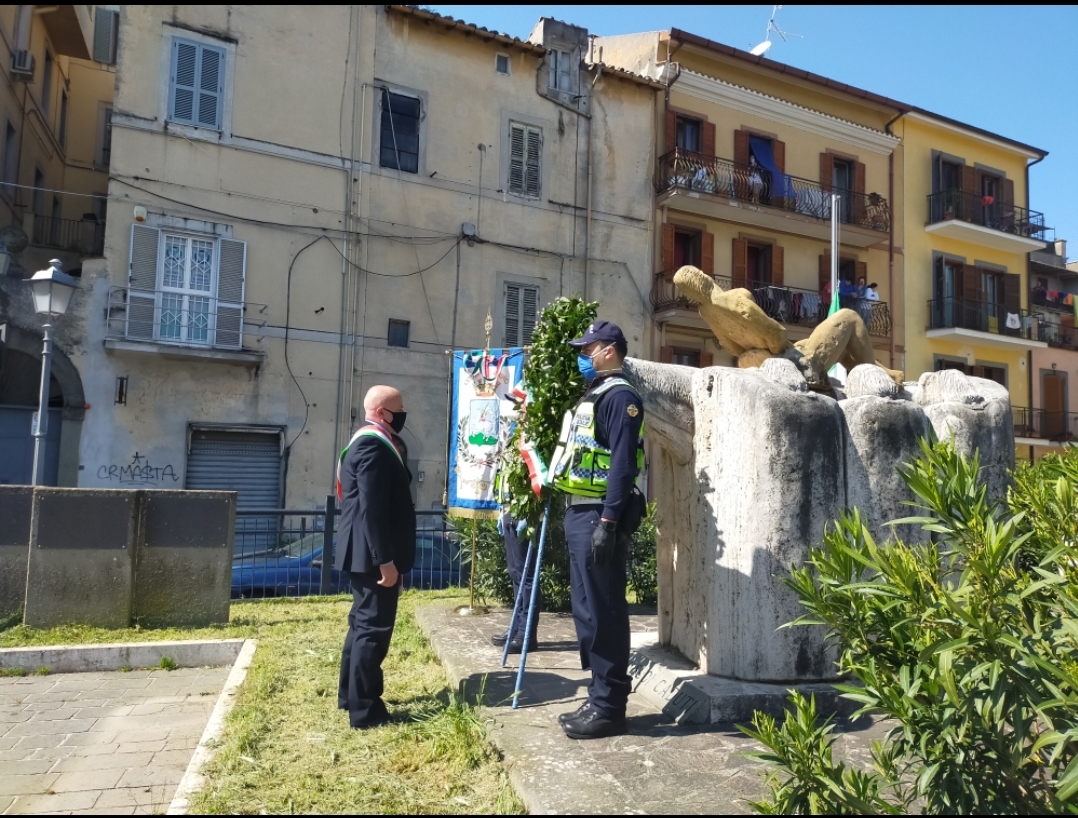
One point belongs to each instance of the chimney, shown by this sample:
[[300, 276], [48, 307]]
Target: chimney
[[1061, 249]]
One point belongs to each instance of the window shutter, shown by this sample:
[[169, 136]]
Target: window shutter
[[971, 283], [860, 268], [741, 147], [529, 311], [708, 146], [1006, 191], [666, 355], [209, 87], [516, 158], [231, 276], [971, 186], [707, 253], [827, 172], [184, 69], [857, 206], [825, 272], [668, 251], [532, 170], [778, 153], [565, 67], [778, 265], [741, 263], [142, 281], [512, 315], [104, 35], [706, 359], [671, 131], [1012, 293]]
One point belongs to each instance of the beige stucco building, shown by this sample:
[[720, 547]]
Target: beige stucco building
[[55, 110], [307, 201]]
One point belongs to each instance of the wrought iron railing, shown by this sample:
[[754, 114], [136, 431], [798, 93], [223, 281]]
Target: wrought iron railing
[[988, 211], [82, 236], [281, 552], [687, 170], [788, 305], [179, 318], [1047, 425], [1051, 299], [1055, 334], [982, 316]]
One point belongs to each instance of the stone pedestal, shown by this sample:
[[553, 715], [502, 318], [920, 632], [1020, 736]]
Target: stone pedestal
[[15, 502], [748, 466]]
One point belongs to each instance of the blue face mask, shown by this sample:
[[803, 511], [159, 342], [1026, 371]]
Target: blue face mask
[[586, 367]]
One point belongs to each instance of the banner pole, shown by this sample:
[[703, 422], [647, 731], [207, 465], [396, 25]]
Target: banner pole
[[532, 613]]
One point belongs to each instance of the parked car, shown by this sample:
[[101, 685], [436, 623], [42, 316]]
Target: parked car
[[295, 569]]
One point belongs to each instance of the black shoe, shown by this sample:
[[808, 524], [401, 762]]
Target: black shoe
[[565, 717], [517, 645], [593, 724], [499, 639]]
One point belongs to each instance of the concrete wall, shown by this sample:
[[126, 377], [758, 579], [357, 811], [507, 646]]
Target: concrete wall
[[15, 502]]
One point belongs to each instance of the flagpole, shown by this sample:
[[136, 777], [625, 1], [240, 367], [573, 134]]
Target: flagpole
[[835, 199]]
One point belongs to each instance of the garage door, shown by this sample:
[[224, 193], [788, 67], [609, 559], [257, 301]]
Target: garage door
[[248, 463]]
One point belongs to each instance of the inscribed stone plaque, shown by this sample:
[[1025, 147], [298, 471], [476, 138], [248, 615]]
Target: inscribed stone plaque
[[85, 519], [187, 520]]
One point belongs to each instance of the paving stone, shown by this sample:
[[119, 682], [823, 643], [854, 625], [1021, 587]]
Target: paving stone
[[15, 714], [105, 712], [135, 797], [172, 757], [142, 747], [37, 707], [30, 767], [5, 802], [88, 780], [57, 714], [42, 728], [125, 724], [100, 761], [65, 801], [26, 784], [91, 738], [152, 775], [40, 740]]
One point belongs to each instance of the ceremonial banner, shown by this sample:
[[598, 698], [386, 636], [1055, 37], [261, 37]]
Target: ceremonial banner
[[481, 417]]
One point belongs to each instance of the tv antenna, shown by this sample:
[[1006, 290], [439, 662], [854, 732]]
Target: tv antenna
[[761, 49]]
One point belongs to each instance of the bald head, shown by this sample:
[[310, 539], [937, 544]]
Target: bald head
[[382, 397]]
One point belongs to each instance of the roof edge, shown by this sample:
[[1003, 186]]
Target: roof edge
[[451, 23]]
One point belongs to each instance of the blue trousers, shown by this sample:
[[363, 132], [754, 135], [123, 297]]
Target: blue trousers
[[600, 612]]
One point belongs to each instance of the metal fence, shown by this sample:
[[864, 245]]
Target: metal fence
[[688, 170], [982, 316], [281, 552], [988, 211], [788, 305], [81, 235], [1041, 423]]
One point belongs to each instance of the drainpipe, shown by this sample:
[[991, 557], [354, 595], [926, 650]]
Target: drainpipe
[[587, 226], [1029, 363], [891, 236]]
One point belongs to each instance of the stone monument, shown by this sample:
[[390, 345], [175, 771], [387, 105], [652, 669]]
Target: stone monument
[[748, 465]]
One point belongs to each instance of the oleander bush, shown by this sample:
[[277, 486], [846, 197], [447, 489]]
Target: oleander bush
[[969, 643]]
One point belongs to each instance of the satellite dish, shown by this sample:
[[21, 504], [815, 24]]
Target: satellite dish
[[14, 239], [761, 49]]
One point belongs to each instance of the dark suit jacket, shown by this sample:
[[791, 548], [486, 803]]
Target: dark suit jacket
[[377, 522]]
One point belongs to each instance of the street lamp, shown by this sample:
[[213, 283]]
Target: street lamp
[[52, 290]]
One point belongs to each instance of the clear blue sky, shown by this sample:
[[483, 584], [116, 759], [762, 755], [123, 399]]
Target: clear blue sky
[[1010, 69]]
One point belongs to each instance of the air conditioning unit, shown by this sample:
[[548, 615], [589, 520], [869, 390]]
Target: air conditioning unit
[[22, 65]]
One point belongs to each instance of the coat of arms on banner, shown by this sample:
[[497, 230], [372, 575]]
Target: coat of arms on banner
[[481, 419]]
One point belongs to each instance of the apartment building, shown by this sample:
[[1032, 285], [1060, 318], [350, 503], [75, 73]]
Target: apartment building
[[749, 156], [304, 202], [55, 114], [969, 232]]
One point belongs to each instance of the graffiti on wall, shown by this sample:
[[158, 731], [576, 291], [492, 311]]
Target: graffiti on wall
[[139, 472]]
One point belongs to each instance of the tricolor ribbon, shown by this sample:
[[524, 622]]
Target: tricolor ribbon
[[366, 431]]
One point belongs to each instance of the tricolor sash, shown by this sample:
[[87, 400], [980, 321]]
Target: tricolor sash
[[366, 431]]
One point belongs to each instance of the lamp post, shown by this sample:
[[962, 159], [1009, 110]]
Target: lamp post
[[52, 290]]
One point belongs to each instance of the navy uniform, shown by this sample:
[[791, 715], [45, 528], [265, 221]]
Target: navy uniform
[[516, 552], [596, 464]]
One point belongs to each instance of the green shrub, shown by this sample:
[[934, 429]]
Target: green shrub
[[643, 579], [968, 643]]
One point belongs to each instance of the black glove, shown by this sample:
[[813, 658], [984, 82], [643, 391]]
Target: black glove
[[603, 541]]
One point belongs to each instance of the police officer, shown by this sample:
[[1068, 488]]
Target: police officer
[[596, 464], [516, 550]]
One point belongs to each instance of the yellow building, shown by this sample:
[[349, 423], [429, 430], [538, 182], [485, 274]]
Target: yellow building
[[967, 233], [750, 152]]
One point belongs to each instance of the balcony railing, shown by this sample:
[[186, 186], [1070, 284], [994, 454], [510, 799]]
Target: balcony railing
[[1055, 427], [687, 170], [1040, 297], [982, 316], [1055, 334], [185, 319], [792, 306], [988, 211], [78, 235]]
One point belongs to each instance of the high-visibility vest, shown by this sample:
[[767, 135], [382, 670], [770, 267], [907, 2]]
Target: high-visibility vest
[[366, 431], [580, 465]]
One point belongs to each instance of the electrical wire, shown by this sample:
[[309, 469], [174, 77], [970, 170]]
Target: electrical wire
[[287, 323], [395, 275]]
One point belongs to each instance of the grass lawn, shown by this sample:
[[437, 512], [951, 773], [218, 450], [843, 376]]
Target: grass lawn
[[287, 748]]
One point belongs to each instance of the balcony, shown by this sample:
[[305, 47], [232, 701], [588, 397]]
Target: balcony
[[720, 189], [1033, 426], [987, 221], [85, 237], [1055, 334], [71, 29], [982, 322], [184, 325], [791, 306], [1053, 300]]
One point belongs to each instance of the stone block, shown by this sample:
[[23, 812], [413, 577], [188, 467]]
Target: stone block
[[15, 503], [183, 558], [81, 560], [882, 436]]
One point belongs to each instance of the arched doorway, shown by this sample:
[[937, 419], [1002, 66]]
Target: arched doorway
[[20, 380]]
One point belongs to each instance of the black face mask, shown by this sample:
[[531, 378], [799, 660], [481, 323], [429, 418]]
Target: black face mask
[[397, 424]]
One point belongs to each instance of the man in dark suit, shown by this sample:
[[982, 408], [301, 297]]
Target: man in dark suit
[[375, 545]]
